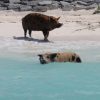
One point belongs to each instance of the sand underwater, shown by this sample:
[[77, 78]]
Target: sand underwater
[[22, 77]]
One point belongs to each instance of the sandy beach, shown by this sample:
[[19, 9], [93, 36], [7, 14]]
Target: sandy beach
[[80, 30], [77, 24], [22, 77]]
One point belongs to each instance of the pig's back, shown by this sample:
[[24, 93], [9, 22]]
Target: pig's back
[[36, 21]]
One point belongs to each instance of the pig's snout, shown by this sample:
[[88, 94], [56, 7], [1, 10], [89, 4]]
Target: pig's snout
[[59, 25]]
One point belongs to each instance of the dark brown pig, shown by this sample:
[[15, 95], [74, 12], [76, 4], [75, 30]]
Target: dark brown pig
[[40, 22]]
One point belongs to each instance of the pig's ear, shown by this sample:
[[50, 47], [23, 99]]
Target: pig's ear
[[58, 18], [39, 55]]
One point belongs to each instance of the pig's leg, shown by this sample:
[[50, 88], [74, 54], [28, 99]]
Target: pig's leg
[[25, 32], [46, 34], [30, 31]]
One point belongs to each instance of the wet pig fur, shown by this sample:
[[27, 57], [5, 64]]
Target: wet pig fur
[[59, 57]]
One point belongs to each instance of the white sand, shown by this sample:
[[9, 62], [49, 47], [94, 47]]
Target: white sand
[[81, 30], [81, 25]]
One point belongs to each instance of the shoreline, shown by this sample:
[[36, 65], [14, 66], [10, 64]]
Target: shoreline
[[80, 33]]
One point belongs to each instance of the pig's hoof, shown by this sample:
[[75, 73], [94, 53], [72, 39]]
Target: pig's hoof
[[46, 40]]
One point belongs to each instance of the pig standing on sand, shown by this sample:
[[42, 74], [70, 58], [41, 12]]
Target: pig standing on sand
[[40, 22]]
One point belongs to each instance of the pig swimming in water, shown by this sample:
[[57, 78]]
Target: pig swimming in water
[[40, 22]]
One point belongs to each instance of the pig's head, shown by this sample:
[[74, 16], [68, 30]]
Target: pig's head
[[54, 23], [47, 58], [44, 58]]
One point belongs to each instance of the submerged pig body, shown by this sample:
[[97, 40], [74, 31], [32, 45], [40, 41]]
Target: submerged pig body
[[59, 57], [40, 22]]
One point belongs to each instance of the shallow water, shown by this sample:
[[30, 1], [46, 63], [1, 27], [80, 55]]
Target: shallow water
[[89, 51], [26, 80], [22, 77]]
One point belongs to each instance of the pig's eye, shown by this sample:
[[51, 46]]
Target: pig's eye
[[53, 20]]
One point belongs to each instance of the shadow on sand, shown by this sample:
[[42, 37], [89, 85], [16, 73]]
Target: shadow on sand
[[30, 39]]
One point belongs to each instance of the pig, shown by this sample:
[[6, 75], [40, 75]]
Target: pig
[[59, 57], [40, 22]]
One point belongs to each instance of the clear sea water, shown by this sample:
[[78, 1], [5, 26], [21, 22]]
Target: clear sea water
[[22, 77], [26, 80]]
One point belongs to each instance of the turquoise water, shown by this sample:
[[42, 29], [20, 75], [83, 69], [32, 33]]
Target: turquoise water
[[27, 80], [22, 77]]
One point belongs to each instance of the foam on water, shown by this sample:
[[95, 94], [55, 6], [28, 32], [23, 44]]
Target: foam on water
[[88, 50]]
